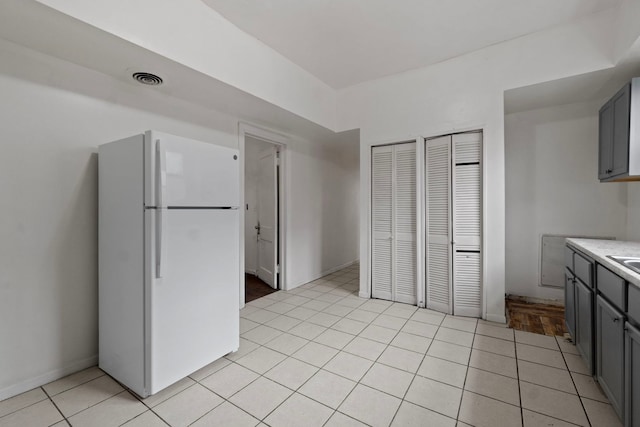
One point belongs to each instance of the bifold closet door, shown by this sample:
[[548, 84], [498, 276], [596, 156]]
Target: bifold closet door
[[467, 223], [438, 257], [394, 262]]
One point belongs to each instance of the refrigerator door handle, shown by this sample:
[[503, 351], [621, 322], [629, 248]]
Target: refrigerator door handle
[[161, 180], [161, 249]]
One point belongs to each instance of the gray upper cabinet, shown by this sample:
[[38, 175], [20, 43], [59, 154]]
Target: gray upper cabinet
[[619, 135]]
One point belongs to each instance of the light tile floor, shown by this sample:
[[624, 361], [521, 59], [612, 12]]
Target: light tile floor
[[321, 356]]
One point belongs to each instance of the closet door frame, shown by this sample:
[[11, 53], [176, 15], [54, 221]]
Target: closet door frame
[[420, 218]]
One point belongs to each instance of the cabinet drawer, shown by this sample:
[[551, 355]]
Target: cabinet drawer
[[583, 268], [568, 257], [611, 286], [633, 301]]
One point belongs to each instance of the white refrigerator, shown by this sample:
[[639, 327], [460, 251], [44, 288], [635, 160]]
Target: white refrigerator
[[169, 261]]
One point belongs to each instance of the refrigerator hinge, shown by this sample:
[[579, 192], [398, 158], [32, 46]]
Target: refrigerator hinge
[[278, 269]]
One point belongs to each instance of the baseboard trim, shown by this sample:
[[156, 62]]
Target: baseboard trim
[[252, 272], [496, 318], [43, 379], [364, 294], [534, 300]]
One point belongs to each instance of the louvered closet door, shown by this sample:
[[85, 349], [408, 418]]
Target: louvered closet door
[[404, 223], [381, 219], [467, 216], [438, 177]]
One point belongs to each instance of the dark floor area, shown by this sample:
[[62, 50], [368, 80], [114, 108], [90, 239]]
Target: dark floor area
[[255, 288], [537, 318]]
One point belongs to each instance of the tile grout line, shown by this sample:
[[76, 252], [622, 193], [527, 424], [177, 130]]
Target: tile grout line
[[515, 347]]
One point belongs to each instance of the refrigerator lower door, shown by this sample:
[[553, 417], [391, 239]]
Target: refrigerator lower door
[[192, 311]]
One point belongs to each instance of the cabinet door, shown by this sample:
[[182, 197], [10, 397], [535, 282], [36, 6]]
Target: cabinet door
[[584, 323], [632, 376], [569, 303], [605, 140], [381, 221], [610, 353], [620, 148]]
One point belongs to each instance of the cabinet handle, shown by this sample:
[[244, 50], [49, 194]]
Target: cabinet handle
[[616, 319], [609, 170]]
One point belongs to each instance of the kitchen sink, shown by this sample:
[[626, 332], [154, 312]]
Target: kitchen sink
[[630, 262]]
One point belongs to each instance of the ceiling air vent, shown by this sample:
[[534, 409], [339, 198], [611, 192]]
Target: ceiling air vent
[[147, 79]]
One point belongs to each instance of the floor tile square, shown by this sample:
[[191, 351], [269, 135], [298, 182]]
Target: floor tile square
[[537, 340], [481, 411], [349, 326], [291, 373], [229, 380], [70, 381], [556, 404], [534, 419], [494, 345], [426, 330], [414, 415], [567, 346], [390, 322], [411, 342], [375, 305], [79, 398], [20, 401], [540, 355], [434, 395], [246, 347], [365, 348], [261, 360], [283, 323], [43, 413], [495, 331], [378, 333], [327, 388], [575, 363], [329, 298], [444, 371], [362, 315], [111, 412], [352, 301], [323, 319], [246, 325], [387, 379], [280, 307], [166, 393], [299, 410], [315, 354], [260, 303], [588, 387], [402, 359], [341, 420], [261, 335], [261, 316], [307, 330], [450, 352], [547, 376], [335, 339], [348, 366], [287, 344], [212, 367], [316, 305], [187, 406], [260, 397], [466, 324], [601, 414], [297, 300], [404, 311], [370, 406], [454, 336], [301, 313], [338, 310], [146, 419], [495, 363], [227, 415], [424, 315], [493, 385]]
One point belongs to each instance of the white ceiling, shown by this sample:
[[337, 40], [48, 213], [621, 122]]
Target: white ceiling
[[345, 42]]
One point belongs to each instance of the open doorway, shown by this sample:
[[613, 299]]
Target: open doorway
[[262, 225]]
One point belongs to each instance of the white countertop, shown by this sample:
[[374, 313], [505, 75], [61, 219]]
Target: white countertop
[[599, 249]]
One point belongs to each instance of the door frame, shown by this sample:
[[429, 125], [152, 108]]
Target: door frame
[[284, 190]]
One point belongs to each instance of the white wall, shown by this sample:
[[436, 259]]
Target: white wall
[[467, 93], [252, 149], [552, 187], [633, 211], [54, 115]]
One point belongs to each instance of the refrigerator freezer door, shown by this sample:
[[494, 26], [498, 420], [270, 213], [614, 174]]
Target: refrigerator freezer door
[[193, 310], [181, 172]]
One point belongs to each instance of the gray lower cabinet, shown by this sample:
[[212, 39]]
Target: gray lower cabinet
[[584, 322], [610, 353], [569, 303], [632, 376]]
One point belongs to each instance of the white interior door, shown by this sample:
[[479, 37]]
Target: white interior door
[[438, 185], [268, 217], [404, 223], [381, 221], [467, 223], [193, 308]]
